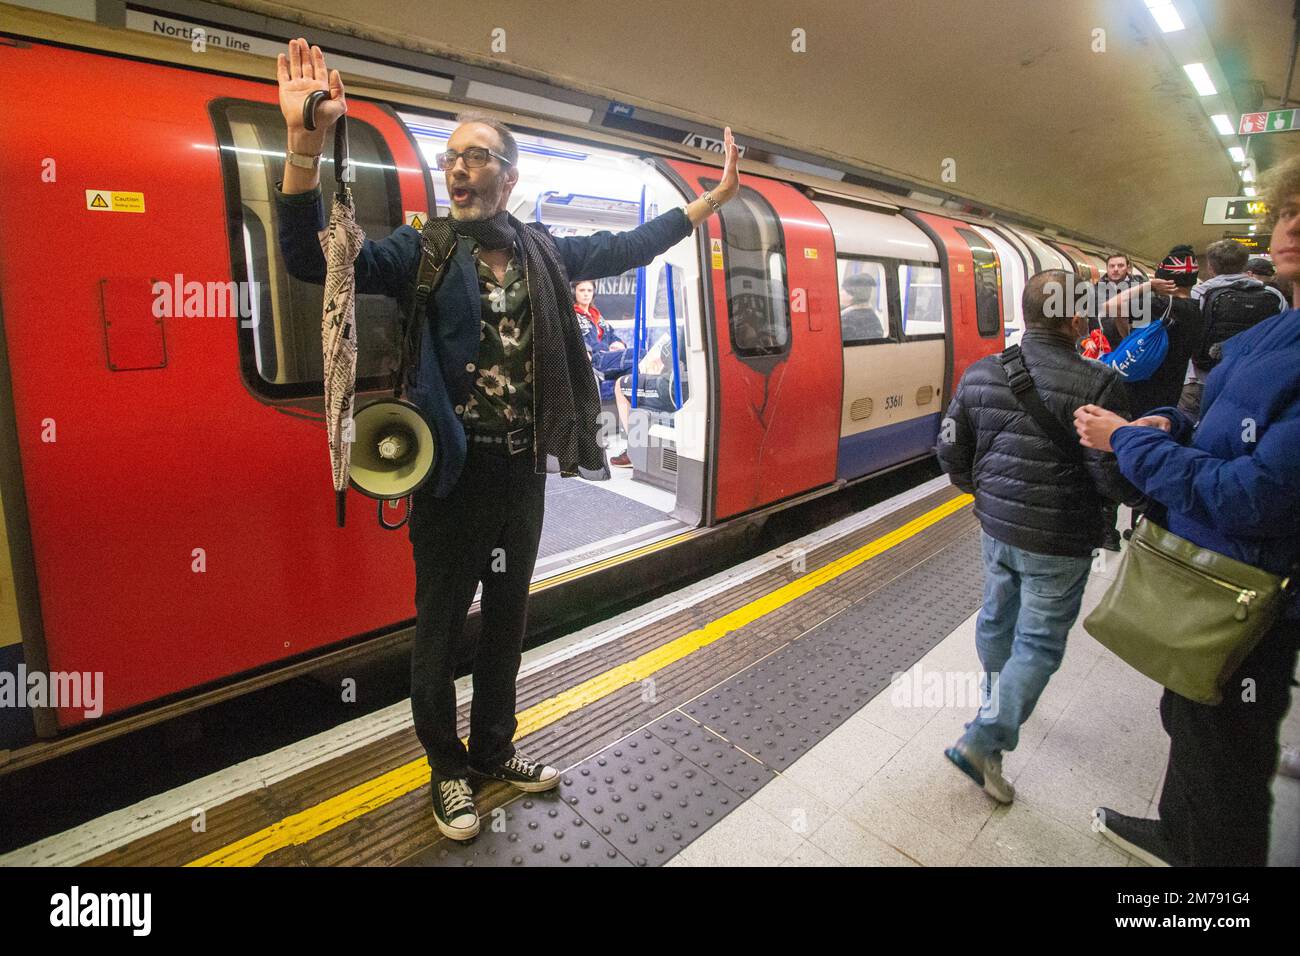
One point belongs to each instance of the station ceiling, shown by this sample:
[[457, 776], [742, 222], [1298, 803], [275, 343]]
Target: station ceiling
[[1113, 143]]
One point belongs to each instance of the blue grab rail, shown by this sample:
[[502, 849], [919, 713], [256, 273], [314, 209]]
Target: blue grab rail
[[672, 335], [638, 319]]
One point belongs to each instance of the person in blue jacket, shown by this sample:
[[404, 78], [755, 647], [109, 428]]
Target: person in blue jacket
[[1232, 485], [503, 379]]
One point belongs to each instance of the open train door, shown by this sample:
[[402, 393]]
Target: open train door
[[770, 278]]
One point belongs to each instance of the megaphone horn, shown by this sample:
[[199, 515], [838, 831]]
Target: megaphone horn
[[393, 450]]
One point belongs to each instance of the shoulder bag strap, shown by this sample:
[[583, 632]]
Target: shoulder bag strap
[[1022, 387], [437, 246]]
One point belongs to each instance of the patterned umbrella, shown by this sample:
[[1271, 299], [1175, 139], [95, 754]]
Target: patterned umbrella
[[341, 244]]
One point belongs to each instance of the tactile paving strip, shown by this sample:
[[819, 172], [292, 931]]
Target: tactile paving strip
[[648, 799], [784, 704], [534, 830]]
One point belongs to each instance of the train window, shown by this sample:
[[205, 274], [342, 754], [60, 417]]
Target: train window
[[988, 280], [756, 296], [921, 289], [280, 343], [864, 301]]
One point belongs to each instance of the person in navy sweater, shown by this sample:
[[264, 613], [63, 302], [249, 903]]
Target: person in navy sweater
[[1230, 484]]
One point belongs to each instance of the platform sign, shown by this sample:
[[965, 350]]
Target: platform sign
[[1274, 121], [1224, 210], [712, 144]]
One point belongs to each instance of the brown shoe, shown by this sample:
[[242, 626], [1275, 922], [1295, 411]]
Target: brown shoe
[[622, 461]]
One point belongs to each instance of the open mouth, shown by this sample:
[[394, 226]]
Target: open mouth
[[461, 194]]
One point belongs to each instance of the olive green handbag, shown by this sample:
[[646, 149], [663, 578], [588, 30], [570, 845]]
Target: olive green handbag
[[1184, 615]]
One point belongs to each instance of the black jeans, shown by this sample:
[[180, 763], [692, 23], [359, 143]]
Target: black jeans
[[1216, 802], [487, 529]]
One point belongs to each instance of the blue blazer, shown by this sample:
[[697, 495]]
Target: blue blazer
[[1232, 483], [449, 339]]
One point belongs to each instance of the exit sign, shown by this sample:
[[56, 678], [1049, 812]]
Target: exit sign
[[1223, 210], [1275, 121]]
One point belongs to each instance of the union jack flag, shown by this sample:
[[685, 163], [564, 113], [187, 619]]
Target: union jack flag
[[1186, 264]]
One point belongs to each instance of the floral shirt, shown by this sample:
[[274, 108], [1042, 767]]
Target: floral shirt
[[502, 396]]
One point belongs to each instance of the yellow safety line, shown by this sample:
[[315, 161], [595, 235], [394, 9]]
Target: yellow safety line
[[300, 828]]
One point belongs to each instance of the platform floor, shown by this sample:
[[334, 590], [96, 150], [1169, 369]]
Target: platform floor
[[754, 718], [879, 792]]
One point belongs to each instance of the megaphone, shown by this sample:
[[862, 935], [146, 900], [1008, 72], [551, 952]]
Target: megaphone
[[393, 452]]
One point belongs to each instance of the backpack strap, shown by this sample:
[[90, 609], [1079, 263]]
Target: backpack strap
[[1022, 387], [437, 246]]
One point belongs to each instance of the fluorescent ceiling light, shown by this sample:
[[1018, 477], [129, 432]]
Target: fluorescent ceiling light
[[1249, 191], [1247, 176], [1222, 124], [1237, 153], [1196, 72], [1166, 15]]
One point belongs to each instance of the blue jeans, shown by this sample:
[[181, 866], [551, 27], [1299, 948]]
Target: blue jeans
[[1030, 603]]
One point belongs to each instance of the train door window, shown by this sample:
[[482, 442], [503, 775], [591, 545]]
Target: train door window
[[864, 301], [988, 280], [756, 296], [280, 343], [921, 290]]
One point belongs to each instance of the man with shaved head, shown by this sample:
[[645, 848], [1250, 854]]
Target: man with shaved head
[[501, 374]]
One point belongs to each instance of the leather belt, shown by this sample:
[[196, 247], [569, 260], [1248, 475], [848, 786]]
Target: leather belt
[[513, 442]]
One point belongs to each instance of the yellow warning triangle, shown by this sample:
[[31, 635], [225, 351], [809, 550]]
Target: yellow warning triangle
[[416, 223], [98, 202]]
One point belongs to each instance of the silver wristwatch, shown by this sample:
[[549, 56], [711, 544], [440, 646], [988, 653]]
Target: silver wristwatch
[[302, 160]]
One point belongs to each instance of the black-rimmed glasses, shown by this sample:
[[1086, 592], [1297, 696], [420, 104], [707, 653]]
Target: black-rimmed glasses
[[475, 157]]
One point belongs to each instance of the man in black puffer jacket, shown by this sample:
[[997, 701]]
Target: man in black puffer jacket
[[1039, 498]]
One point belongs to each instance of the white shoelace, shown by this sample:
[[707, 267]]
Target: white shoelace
[[456, 796], [522, 765]]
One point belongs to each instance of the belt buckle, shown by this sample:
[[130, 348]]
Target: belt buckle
[[515, 446]]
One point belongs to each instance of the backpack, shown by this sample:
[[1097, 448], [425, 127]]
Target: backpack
[[1228, 311]]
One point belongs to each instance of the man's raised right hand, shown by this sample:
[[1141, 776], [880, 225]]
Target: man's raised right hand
[[300, 73]]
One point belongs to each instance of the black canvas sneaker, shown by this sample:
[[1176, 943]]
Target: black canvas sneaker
[[453, 808], [1135, 835], [527, 775]]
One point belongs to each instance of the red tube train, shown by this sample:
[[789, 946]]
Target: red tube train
[[163, 466]]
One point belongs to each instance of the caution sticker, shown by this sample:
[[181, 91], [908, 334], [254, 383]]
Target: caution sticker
[[110, 200], [416, 220], [809, 253], [715, 247]]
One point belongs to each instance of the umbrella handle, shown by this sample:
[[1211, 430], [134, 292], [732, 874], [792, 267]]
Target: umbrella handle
[[405, 518], [343, 172], [309, 107], [341, 502]]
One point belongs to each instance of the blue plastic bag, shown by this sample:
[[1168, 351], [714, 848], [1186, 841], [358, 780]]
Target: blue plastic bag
[[1141, 353]]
